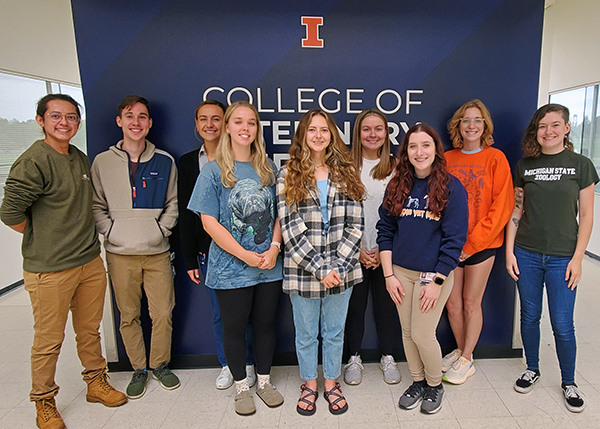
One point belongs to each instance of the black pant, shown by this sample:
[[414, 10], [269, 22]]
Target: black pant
[[386, 315], [255, 304]]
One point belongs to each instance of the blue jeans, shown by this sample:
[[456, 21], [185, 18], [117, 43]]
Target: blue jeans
[[538, 270], [218, 323], [331, 312]]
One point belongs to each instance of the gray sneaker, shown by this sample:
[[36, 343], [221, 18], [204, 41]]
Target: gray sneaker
[[137, 385], [353, 371], [388, 366], [432, 399], [412, 396], [167, 379]]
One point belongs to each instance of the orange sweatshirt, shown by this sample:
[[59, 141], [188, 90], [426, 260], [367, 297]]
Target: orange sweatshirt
[[487, 178]]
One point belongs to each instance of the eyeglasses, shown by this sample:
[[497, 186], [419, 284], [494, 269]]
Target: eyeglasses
[[57, 117], [468, 121]]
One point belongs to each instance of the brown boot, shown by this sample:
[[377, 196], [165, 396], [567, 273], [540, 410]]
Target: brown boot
[[100, 390], [47, 415]]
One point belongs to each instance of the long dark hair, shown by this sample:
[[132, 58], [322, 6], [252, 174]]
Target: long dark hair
[[402, 182]]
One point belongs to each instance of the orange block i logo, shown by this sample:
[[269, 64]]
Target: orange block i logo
[[312, 24]]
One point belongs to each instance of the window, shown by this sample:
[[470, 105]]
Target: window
[[584, 106], [18, 130]]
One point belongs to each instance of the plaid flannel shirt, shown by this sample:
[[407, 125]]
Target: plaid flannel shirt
[[311, 252]]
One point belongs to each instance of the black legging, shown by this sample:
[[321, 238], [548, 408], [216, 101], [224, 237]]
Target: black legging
[[386, 315], [258, 305]]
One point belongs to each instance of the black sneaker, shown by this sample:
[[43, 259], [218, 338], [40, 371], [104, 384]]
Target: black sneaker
[[412, 396], [432, 399], [573, 398], [525, 382]]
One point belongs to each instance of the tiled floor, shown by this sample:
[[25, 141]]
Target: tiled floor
[[487, 400]]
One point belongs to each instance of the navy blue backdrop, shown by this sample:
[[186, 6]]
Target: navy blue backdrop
[[418, 60]]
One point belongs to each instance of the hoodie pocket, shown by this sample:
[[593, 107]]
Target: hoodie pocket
[[136, 234]]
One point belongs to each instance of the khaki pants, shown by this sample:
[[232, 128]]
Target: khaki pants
[[421, 347], [80, 289], [128, 273]]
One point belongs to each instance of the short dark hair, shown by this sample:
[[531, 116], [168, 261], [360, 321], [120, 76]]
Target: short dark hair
[[211, 102], [42, 105], [130, 100]]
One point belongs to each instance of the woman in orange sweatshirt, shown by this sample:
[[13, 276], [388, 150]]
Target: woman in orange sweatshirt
[[485, 173]]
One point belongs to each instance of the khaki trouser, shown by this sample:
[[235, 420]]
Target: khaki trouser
[[80, 289], [422, 350], [128, 273]]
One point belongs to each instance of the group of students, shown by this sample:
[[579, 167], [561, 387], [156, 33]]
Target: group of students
[[419, 230]]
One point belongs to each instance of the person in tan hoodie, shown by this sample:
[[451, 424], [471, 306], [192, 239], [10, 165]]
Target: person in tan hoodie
[[135, 208]]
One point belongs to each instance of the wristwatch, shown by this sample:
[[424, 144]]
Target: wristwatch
[[438, 280]]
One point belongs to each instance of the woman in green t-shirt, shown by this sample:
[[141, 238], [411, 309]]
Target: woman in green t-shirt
[[544, 242]]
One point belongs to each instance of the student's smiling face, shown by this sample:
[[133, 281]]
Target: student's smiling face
[[135, 122]]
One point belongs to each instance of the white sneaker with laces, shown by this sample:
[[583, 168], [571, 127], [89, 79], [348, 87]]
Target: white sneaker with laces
[[460, 370], [225, 379], [450, 358], [251, 375]]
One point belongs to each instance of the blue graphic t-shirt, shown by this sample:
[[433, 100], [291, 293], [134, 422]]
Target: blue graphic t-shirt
[[247, 211]]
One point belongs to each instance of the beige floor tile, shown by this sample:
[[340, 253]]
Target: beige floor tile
[[556, 421], [489, 423], [538, 402], [138, 415], [368, 408], [475, 404], [430, 424]]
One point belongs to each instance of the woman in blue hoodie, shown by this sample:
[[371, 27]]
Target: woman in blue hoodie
[[422, 229]]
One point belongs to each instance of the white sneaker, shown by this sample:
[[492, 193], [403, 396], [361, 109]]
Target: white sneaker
[[225, 379], [251, 375], [460, 370], [388, 366], [450, 358]]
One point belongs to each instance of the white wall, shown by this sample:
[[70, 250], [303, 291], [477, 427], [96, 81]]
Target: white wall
[[570, 59], [37, 40]]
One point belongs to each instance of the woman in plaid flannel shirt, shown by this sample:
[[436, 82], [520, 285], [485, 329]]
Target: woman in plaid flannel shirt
[[319, 196]]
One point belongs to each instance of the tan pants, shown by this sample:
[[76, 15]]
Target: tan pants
[[80, 289], [422, 350], [128, 273]]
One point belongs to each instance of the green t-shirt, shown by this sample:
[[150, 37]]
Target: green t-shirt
[[551, 185], [53, 192]]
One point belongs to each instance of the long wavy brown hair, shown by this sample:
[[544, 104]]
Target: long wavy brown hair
[[386, 161], [531, 146], [403, 181], [300, 176]]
